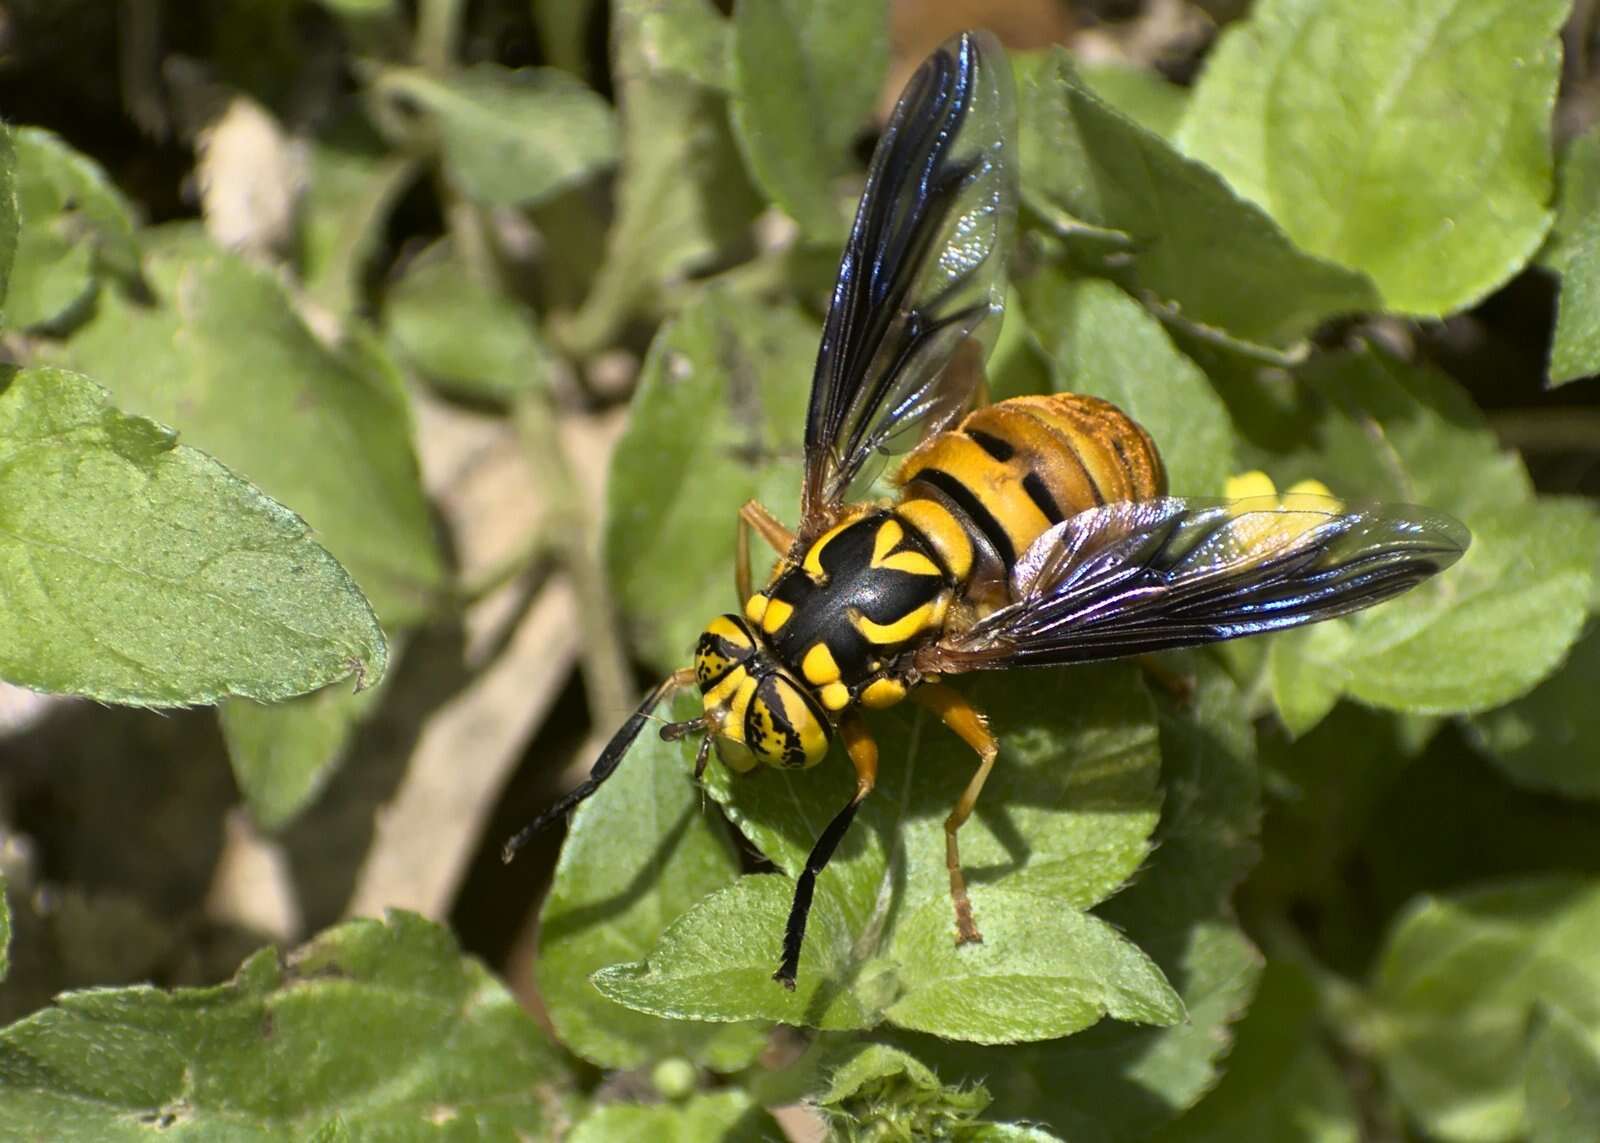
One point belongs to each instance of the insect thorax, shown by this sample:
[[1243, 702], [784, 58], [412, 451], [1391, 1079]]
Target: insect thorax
[[845, 617]]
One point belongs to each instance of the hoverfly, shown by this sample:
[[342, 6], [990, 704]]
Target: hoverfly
[[1032, 532]]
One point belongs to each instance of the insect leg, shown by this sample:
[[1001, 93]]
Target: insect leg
[[610, 758], [971, 727], [863, 753], [754, 514]]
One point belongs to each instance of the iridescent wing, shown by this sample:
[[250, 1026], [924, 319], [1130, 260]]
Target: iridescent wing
[[921, 275], [1140, 576]]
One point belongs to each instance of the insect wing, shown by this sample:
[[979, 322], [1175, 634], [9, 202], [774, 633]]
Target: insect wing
[[921, 275], [1140, 576]]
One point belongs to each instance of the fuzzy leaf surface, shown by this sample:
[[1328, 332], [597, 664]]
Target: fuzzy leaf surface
[[75, 225], [806, 74], [1488, 629], [1550, 738], [138, 570], [373, 1029], [510, 137], [462, 335], [726, 1116], [1196, 244], [1457, 982], [1562, 1085], [638, 854], [1280, 1086], [1064, 821], [1408, 140], [717, 419], [1115, 1082]]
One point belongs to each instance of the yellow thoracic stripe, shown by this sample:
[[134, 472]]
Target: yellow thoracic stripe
[[819, 666], [812, 564], [776, 615], [908, 626]]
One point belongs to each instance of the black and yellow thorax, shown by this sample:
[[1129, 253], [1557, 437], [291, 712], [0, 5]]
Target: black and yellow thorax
[[840, 622]]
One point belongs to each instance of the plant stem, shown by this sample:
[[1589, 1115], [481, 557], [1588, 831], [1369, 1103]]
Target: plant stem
[[438, 33], [570, 534]]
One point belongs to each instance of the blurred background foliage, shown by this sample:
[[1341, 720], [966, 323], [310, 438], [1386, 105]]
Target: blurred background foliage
[[514, 302]]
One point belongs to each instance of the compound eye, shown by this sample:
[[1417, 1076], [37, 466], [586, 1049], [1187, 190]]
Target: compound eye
[[783, 727], [723, 645]]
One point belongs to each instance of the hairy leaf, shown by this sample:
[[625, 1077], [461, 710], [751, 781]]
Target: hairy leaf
[[806, 74], [383, 1026], [639, 853], [463, 335], [224, 358], [1195, 244], [138, 570], [1550, 738], [1064, 821], [1408, 140], [717, 420], [283, 754], [1562, 1085], [726, 1116], [1115, 1082], [75, 226], [1383, 430], [1458, 980], [1574, 252], [682, 195], [1140, 93], [510, 137], [8, 215], [1280, 1086]]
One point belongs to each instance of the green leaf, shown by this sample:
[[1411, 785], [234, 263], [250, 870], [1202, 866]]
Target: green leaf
[[1457, 982], [639, 853], [142, 571], [1482, 633], [683, 199], [283, 754], [1550, 738], [1574, 252], [806, 74], [1562, 1085], [5, 930], [463, 335], [1064, 821], [1281, 1086], [383, 1026], [509, 138], [688, 38], [1408, 140], [564, 32], [725, 1116], [1194, 243], [1104, 343], [353, 188], [1115, 1082], [717, 418], [879, 1092], [224, 358], [1143, 95], [9, 211], [75, 225], [1575, 350]]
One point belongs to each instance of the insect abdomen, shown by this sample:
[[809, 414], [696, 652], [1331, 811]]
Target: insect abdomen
[[1011, 470]]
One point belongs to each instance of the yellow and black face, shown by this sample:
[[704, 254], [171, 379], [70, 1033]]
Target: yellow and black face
[[755, 711]]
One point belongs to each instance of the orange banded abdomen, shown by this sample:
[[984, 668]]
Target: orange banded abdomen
[[1010, 471]]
